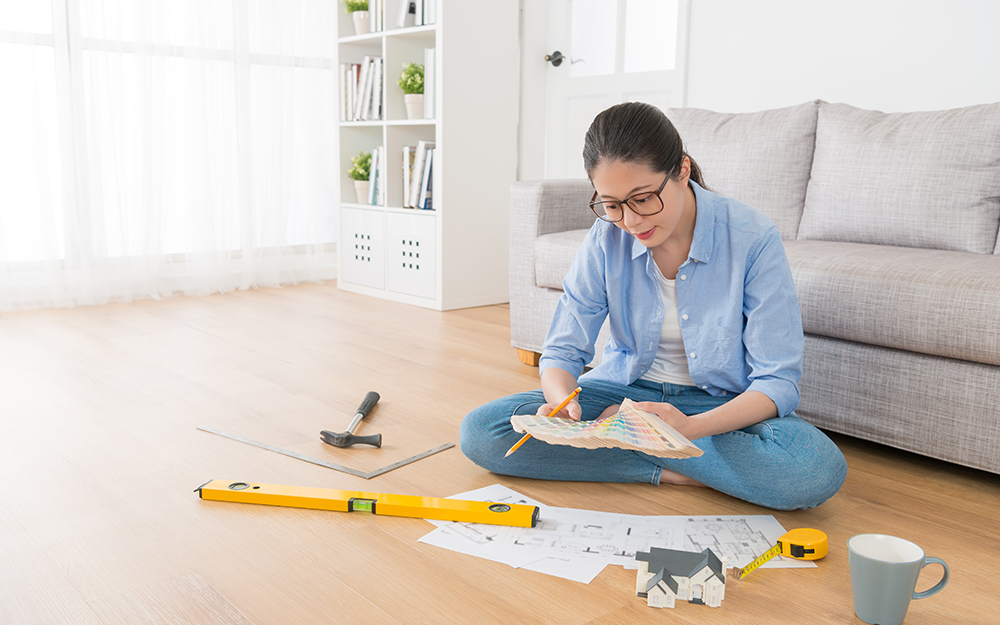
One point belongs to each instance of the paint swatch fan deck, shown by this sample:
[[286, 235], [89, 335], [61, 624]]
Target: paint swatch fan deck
[[629, 428]]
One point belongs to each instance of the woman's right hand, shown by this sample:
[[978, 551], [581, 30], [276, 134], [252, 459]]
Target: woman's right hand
[[571, 411]]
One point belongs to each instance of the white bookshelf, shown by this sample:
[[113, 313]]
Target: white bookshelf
[[454, 256]]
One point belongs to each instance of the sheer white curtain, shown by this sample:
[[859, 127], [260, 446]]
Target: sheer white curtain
[[158, 147]]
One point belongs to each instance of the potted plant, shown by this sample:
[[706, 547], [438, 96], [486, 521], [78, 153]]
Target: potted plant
[[411, 81], [359, 172], [358, 10]]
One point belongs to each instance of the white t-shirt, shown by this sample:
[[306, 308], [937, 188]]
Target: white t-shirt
[[671, 363]]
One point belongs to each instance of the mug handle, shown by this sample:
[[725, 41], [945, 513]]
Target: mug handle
[[938, 586]]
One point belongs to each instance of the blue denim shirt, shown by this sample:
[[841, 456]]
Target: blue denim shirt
[[739, 314]]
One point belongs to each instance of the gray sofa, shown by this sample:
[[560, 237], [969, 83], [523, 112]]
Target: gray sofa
[[890, 223]]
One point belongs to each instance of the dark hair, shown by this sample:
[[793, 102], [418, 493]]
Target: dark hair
[[636, 132]]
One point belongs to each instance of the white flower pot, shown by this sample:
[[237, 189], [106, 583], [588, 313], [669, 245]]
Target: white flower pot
[[362, 22], [361, 188], [414, 105]]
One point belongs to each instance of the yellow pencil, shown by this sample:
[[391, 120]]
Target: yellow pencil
[[555, 411]]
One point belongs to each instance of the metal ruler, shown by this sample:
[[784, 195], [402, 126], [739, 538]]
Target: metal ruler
[[329, 465]]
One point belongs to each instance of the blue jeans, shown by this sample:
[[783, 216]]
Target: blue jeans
[[782, 463]]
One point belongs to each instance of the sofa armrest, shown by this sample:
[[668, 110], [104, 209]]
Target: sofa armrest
[[539, 207]]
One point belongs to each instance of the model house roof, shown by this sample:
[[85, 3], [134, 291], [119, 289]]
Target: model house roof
[[669, 562]]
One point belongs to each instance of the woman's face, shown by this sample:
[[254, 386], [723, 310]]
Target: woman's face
[[616, 181]]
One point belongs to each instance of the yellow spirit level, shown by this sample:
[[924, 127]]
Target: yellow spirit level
[[802, 544], [438, 509]]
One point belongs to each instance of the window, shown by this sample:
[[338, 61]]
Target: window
[[163, 146]]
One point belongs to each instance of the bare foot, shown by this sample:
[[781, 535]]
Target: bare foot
[[670, 477]]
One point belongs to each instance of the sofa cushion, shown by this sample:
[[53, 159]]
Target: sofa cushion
[[924, 179], [554, 253], [762, 158], [927, 301]]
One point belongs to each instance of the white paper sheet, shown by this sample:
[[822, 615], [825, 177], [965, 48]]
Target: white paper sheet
[[578, 544]]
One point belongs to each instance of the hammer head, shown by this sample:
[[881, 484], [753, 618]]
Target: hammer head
[[346, 439]]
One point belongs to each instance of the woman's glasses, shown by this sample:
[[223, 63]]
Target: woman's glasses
[[646, 203]]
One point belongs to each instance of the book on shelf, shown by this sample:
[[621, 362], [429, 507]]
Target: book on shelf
[[373, 178], [375, 101], [426, 12], [349, 75], [365, 86], [360, 88], [383, 168], [427, 182], [418, 172], [407, 14], [429, 83], [409, 152]]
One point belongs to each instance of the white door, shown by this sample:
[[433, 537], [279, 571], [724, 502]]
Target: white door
[[613, 51]]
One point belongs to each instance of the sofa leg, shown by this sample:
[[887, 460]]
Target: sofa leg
[[528, 357]]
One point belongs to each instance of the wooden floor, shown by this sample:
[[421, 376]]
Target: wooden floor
[[100, 455]]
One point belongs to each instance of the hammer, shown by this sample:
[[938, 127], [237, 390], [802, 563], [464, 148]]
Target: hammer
[[346, 439]]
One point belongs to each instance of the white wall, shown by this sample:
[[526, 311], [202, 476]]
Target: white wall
[[889, 55]]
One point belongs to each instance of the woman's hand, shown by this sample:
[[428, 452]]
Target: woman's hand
[[571, 411], [676, 419]]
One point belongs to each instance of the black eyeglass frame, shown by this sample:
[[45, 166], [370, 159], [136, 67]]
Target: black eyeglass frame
[[598, 209]]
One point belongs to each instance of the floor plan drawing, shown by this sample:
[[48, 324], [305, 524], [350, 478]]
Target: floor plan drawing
[[739, 538], [577, 544]]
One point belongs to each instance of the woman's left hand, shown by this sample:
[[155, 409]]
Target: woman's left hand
[[672, 416]]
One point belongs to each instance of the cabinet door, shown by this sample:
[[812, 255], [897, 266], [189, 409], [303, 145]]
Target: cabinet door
[[410, 244], [362, 240]]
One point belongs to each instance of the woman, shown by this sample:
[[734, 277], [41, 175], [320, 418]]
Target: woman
[[705, 333]]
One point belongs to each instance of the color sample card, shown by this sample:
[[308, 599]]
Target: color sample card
[[629, 428]]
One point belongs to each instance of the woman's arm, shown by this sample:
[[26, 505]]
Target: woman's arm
[[557, 385], [742, 411]]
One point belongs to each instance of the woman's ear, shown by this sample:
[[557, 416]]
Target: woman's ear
[[685, 173]]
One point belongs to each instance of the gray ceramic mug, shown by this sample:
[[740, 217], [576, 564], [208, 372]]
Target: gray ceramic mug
[[884, 572]]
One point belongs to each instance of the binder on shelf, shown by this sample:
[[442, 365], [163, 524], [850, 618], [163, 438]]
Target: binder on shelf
[[419, 13]]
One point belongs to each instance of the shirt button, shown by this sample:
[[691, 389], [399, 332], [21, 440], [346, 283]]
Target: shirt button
[[684, 277], [704, 388], [692, 355], [684, 317]]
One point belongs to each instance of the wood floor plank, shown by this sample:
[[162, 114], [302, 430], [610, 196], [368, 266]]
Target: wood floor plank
[[100, 455], [187, 600]]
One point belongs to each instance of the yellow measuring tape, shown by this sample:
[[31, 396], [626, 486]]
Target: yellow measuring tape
[[801, 544], [438, 509]]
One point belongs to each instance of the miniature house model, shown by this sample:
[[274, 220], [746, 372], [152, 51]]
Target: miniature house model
[[666, 575]]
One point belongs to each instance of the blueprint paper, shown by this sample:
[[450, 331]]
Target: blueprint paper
[[740, 538], [569, 543], [578, 544]]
